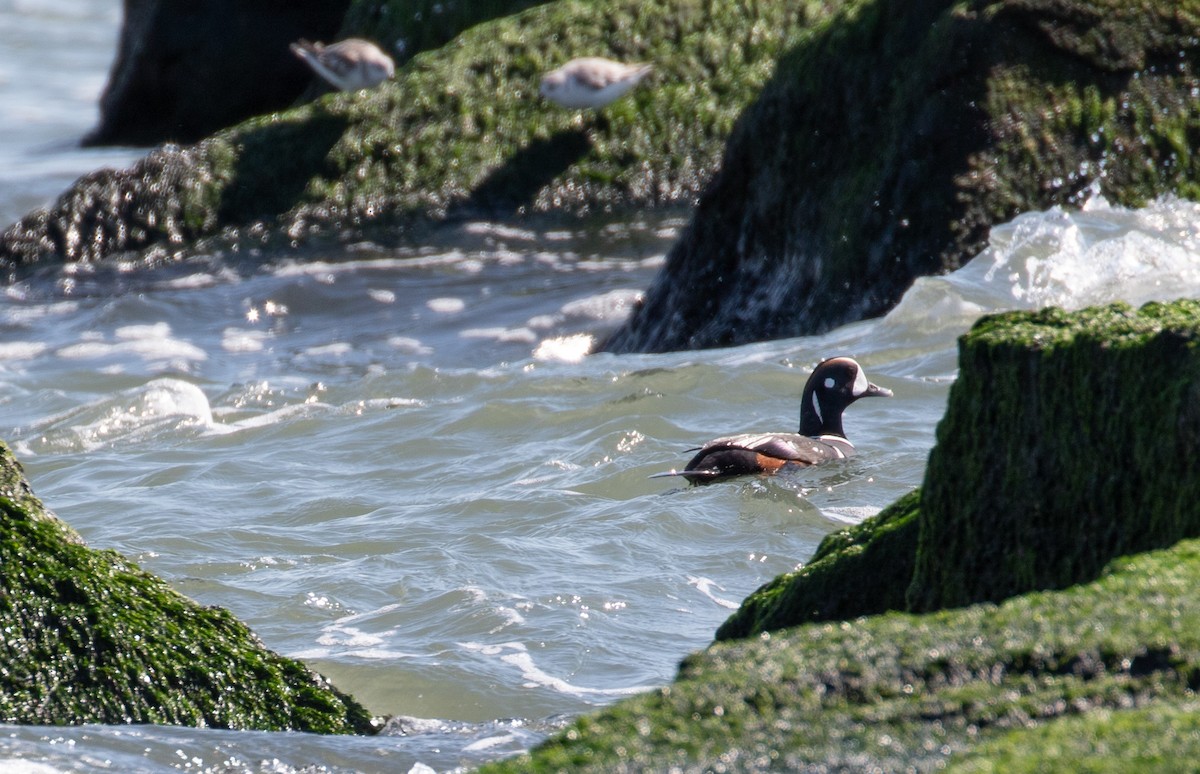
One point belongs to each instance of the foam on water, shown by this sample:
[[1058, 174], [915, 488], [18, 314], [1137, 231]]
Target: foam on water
[[1070, 259], [159, 408], [516, 654]]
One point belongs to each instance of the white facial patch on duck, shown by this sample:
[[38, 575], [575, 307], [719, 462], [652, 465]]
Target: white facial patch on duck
[[860, 384], [817, 405]]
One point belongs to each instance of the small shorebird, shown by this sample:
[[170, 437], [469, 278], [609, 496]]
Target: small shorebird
[[591, 82], [350, 64]]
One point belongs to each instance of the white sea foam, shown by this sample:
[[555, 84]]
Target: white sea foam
[[334, 349], [565, 349], [517, 655], [154, 344], [446, 305], [18, 766], [706, 585], [20, 350], [243, 340], [490, 742], [1069, 259], [613, 306], [502, 335], [161, 407], [277, 416]]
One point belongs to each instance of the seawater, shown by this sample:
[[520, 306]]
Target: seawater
[[402, 467]]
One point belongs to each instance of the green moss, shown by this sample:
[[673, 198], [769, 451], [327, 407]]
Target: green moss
[[1161, 738], [1069, 438], [862, 570], [901, 691], [91, 638], [972, 112]]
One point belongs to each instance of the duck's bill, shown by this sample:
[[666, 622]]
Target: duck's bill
[[875, 391]]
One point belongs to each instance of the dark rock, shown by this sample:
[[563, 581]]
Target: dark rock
[[887, 144], [1092, 421], [185, 70]]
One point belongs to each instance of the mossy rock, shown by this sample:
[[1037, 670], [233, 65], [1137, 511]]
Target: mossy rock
[[407, 27], [862, 570], [1068, 439], [91, 638], [899, 692], [1163, 738], [460, 132], [896, 134]]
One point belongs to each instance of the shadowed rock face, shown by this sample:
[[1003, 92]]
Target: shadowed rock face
[[887, 144], [185, 70], [91, 638]]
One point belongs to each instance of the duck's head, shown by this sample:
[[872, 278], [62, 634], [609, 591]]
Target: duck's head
[[835, 384]]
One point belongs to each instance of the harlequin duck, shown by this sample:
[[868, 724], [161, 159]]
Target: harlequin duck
[[835, 384]]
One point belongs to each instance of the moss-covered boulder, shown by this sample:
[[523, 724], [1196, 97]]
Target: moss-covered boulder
[[1069, 438], [460, 131], [902, 692], [892, 137], [405, 28], [90, 638]]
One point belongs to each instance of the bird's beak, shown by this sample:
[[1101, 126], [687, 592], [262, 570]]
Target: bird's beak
[[875, 391]]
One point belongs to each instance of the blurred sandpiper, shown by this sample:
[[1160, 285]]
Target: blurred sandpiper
[[350, 64], [591, 82]]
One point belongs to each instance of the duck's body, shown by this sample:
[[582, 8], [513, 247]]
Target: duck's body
[[349, 65], [833, 385]]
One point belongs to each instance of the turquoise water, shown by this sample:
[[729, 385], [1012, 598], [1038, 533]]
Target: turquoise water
[[401, 467]]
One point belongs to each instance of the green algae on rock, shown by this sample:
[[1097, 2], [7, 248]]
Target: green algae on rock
[[1069, 438], [459, 132], [900, 692], [91, 638], [892, 138], [407, 27], [1159, 739]]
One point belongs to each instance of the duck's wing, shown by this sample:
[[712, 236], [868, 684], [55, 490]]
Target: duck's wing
[[738, 455]]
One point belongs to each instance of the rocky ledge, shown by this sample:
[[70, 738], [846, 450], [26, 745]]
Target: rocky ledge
[[91, 638], [1040, 586]]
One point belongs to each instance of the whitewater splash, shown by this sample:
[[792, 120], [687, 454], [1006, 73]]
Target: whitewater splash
[[1065, 258]]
